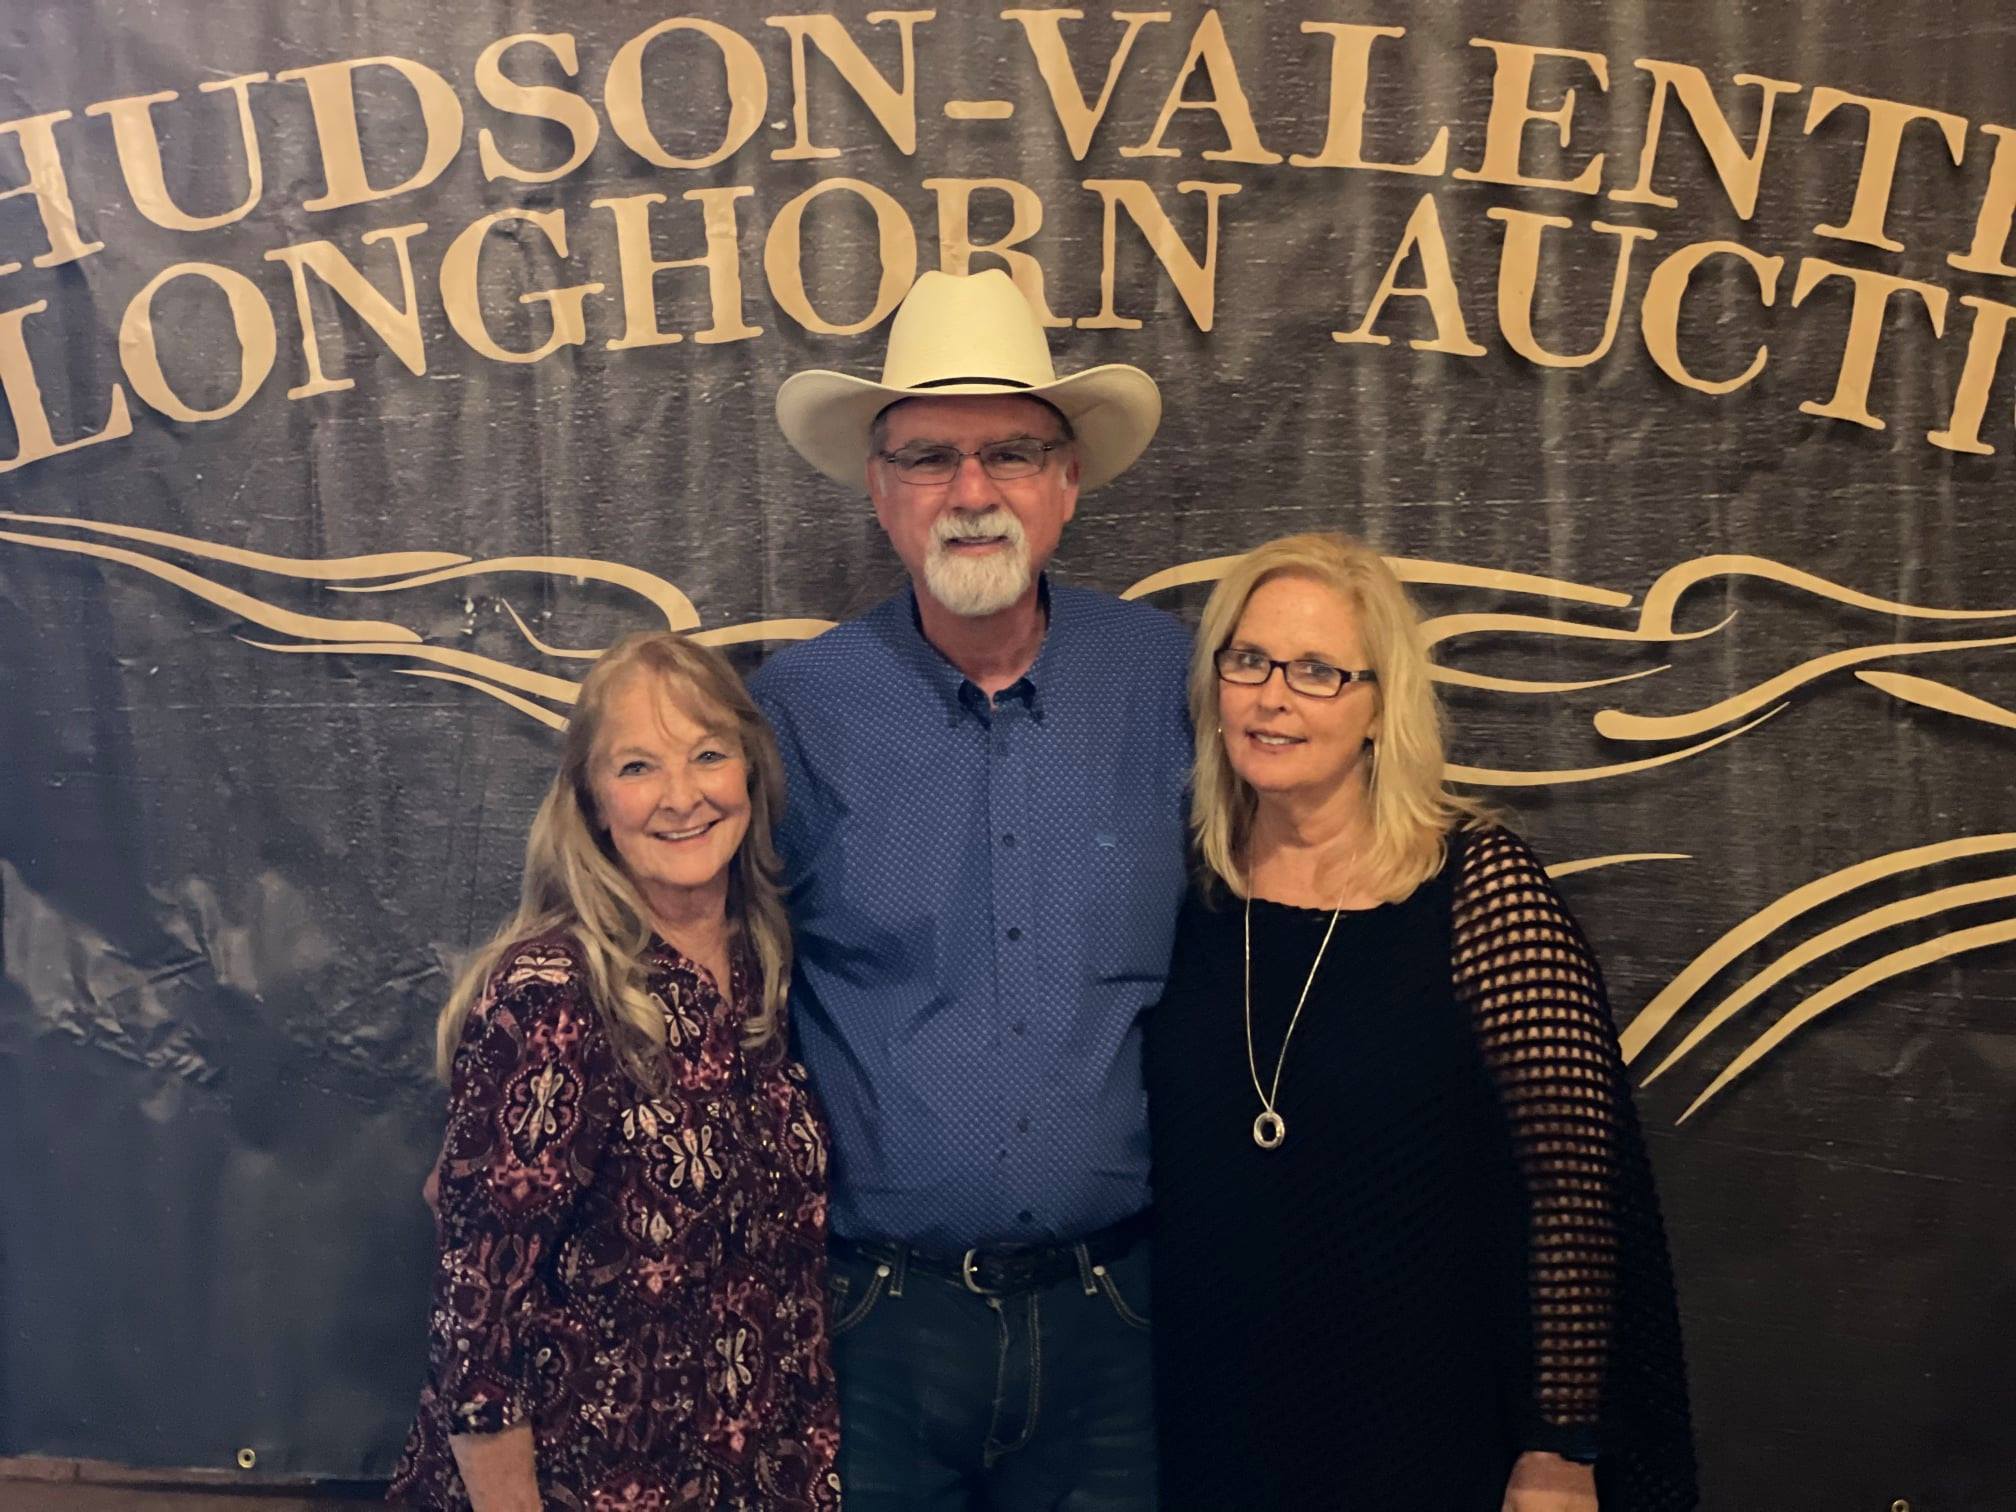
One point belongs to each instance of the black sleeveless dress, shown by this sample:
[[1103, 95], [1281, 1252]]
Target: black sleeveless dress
[[1454, 1255]]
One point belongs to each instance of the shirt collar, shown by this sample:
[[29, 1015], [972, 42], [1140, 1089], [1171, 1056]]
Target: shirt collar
[[743, 967], [959, 692]]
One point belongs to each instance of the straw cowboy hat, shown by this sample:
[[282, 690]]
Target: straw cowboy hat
[[961, 335]]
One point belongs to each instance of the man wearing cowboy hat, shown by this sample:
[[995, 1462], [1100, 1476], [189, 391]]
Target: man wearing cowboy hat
[[985, 848]]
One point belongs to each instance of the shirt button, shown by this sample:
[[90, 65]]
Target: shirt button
[[1025, 1216], [1015, 934], [1019, 1027], [1021, 1126], [1009, 841]]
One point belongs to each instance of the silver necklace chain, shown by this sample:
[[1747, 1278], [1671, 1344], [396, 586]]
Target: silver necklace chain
[[1269, 1128]]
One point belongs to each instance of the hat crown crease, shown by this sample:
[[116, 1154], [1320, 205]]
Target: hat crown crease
[[967, 328]]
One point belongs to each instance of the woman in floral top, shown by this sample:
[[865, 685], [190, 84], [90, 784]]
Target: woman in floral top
[[629, 1307]]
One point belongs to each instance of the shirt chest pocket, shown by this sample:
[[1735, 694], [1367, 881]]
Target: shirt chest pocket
[[1131, 889]]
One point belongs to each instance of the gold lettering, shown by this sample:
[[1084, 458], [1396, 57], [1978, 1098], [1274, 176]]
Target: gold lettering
[[1970, 402], [1195, 279], [540, 101], [1873, 186], [1519, 275], [640, 270], [1044, 30], [1739, 172], [748, 92], [895, 109], [34, 440], [784, 251], [1873, 292], [1227, 101], [1424, 236], [1512, 112], [139, 144], [332, 97], [1350, 79], [250, 319], [398, 328], [461, 296], [956, 247], [51, 190], [1666, 291], [1997, 222]]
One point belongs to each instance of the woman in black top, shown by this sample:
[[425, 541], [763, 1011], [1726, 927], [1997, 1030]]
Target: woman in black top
[[1409, 1256]]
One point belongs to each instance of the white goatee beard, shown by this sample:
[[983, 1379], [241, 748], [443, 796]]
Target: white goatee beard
[[971, 587]]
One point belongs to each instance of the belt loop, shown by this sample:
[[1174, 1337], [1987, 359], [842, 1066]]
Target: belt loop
[[899, 1270], [1084, 1258]]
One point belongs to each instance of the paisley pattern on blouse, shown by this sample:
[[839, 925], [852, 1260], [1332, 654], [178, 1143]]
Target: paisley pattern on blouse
[[639, 1278]]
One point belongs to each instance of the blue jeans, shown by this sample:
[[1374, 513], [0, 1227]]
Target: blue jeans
[[954, 1402]]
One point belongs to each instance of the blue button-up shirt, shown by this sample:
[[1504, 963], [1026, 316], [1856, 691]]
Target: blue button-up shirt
[[984, 895]]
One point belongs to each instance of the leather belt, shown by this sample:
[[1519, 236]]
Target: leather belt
[[1006, 1269]]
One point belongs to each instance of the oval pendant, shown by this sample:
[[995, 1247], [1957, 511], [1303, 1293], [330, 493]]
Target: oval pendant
[[1269, 1129]]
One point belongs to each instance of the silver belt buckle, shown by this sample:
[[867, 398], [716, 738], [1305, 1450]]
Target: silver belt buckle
[[967, 1271]]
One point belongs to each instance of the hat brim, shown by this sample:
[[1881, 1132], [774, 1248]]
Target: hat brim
[[1114, 410]]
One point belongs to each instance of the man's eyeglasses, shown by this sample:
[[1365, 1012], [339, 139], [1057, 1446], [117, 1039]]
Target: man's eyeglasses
[[1312, 679], [1003, 461]]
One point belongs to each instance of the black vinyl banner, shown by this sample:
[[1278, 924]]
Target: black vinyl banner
[[365, 368]]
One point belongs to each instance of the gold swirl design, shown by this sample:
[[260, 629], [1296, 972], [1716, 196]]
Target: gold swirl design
[[1936, 695], [403, 572], [327, 569], [1561, 777], [558, 689], [400, 572], [1618, 725], [1897, 963], [503, 695], [1484, 682], [1408, 570], [762, 630], [1449, 626], [677, 609], [1860, 927], [1662, 599], [1734, 943], [1595, 863], [1725, 951], [755, 630], [540, 646], [243, 605]]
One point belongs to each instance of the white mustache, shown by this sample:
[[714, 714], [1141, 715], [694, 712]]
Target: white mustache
[[994, 522]]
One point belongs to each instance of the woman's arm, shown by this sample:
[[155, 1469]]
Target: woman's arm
[[1543, 1026], [497, 1469], [534, 1093]]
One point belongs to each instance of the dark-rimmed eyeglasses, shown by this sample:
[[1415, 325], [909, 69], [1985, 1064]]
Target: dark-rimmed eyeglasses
[[1312, 679], [1003, 461]]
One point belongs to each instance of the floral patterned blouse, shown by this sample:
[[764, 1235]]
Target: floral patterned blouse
[[642, 1279]]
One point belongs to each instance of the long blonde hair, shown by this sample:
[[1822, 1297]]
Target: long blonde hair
[[574, 882], [1412, 807]]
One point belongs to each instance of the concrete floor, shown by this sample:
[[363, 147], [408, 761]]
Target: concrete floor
[[43, 1485], [74, 1496]]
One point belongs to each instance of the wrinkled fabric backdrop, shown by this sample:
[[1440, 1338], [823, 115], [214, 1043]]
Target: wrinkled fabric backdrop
[[1745, 640]]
